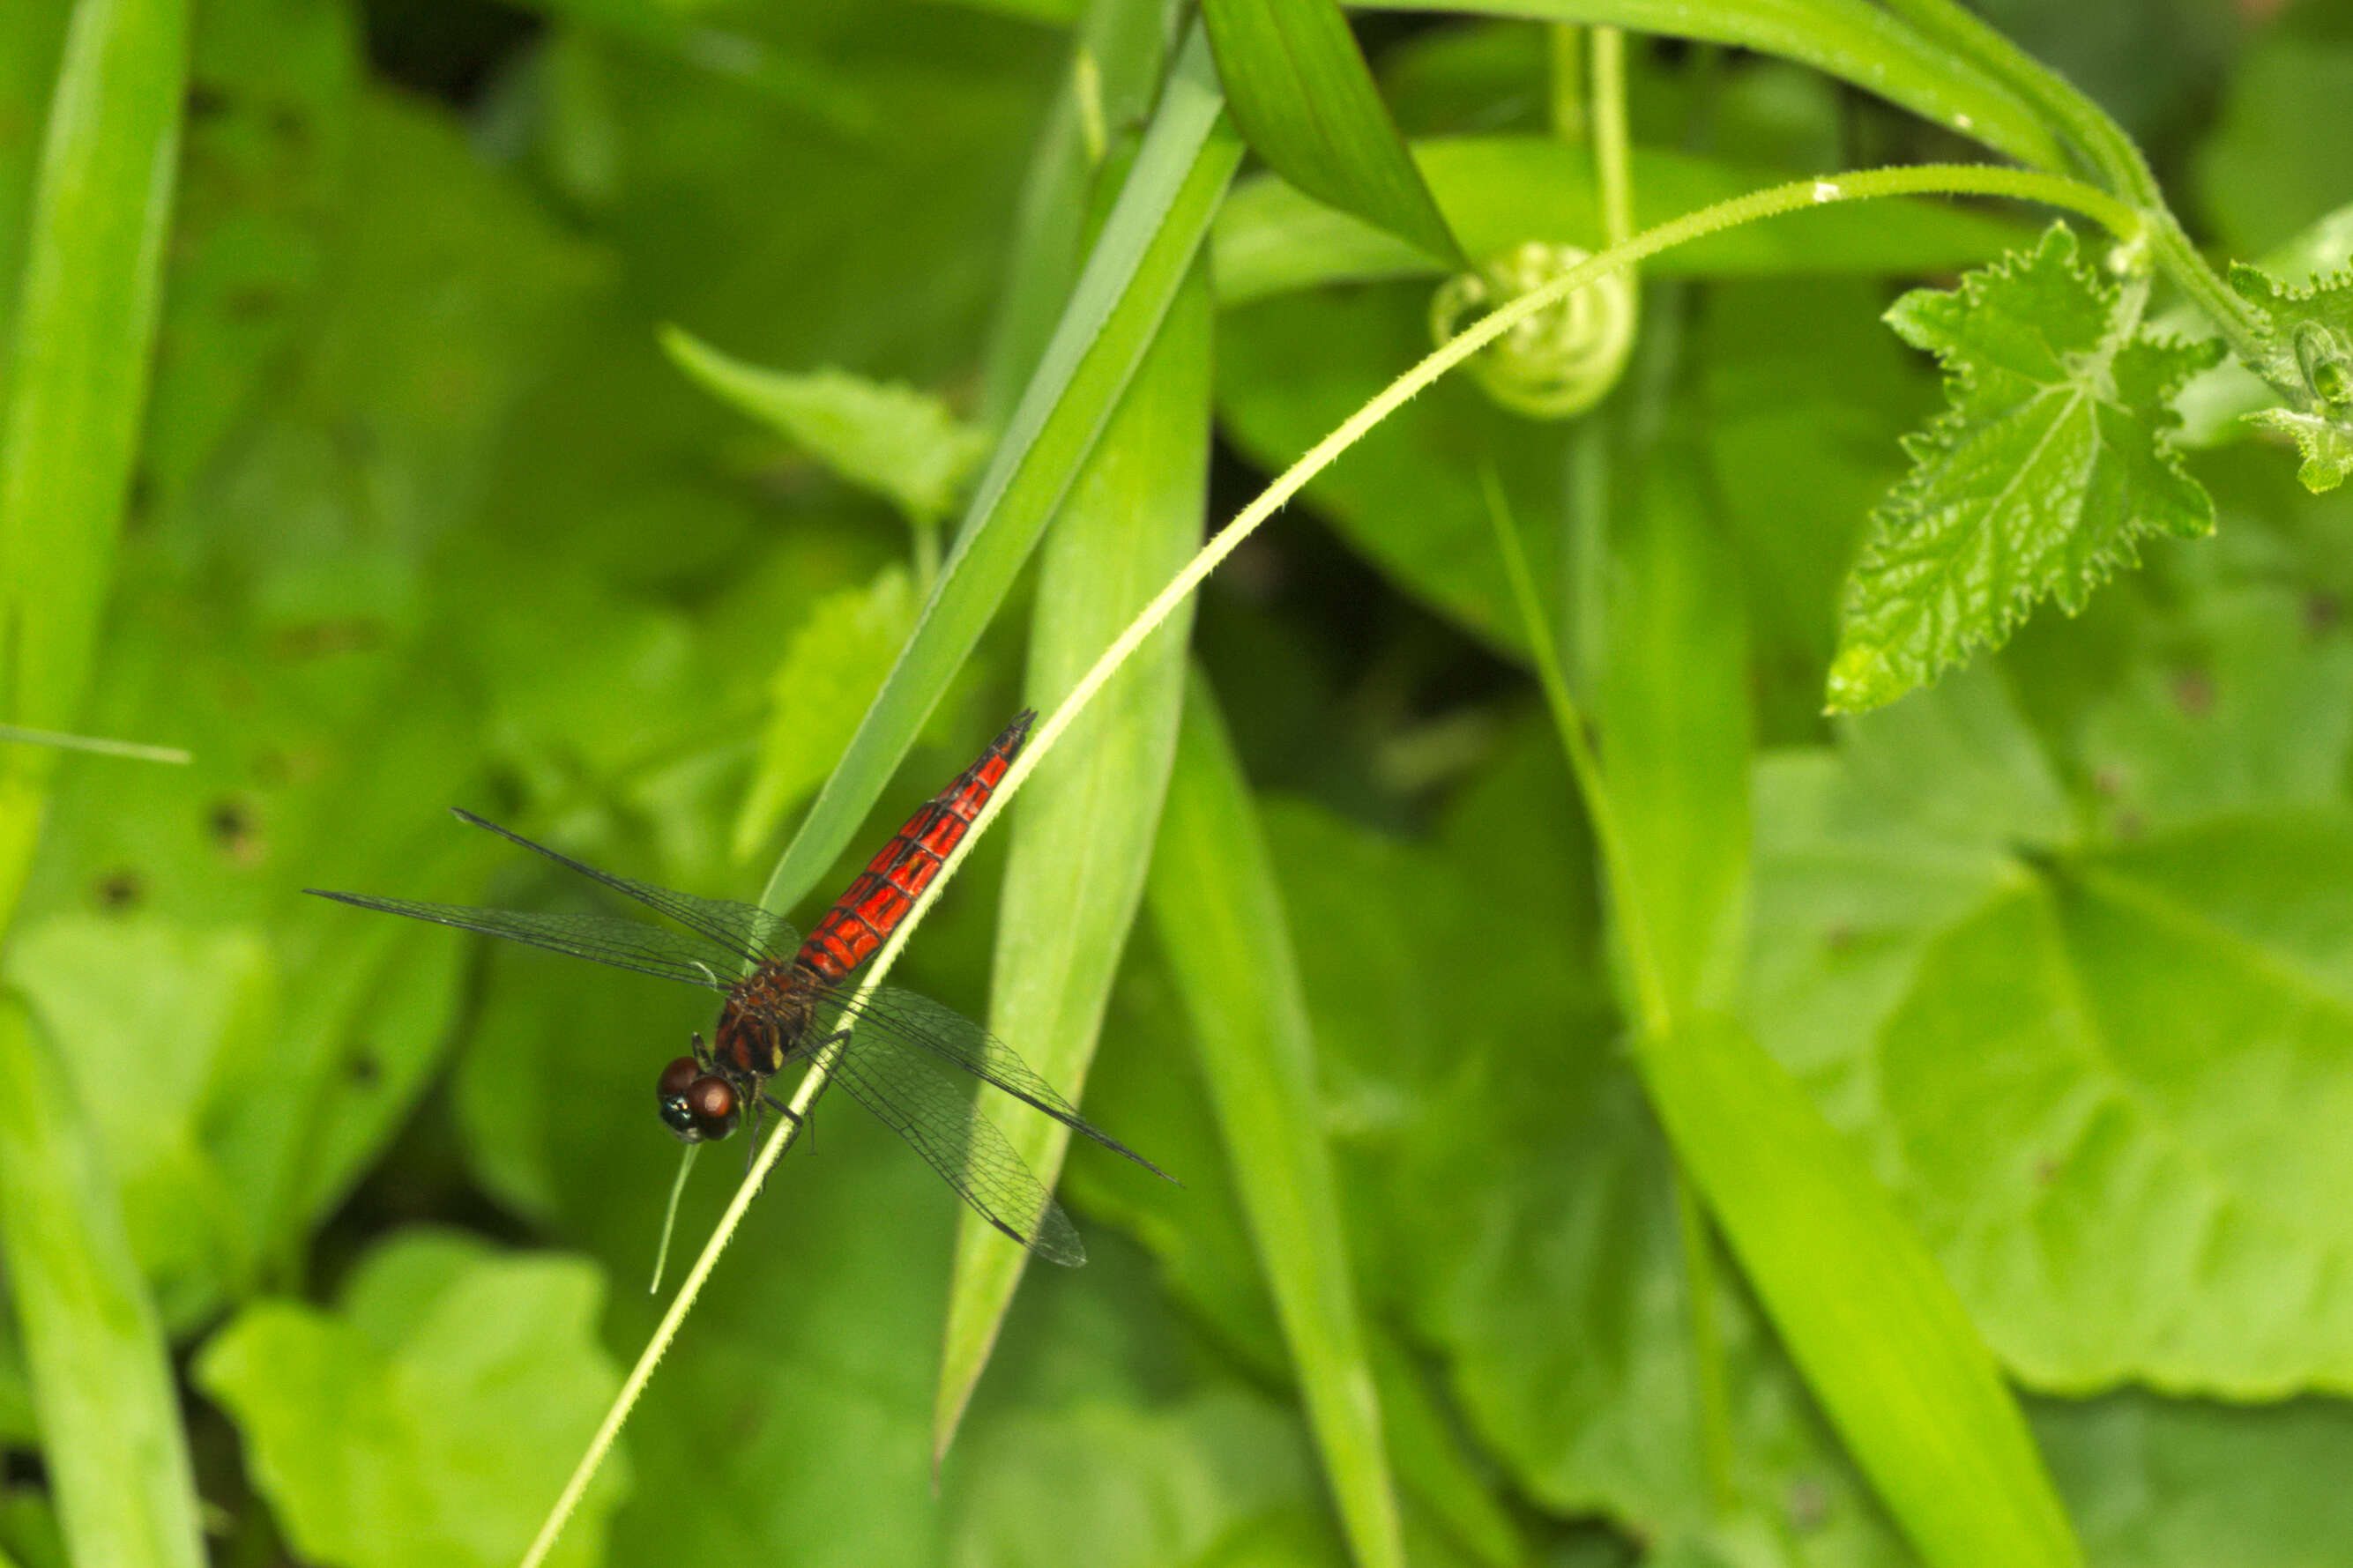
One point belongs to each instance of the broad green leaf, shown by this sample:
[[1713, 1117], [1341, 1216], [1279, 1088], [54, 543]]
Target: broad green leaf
[[1082, 838], [831, 666], [432, 1417], [2093, 1061], [1305, 100], [1498, 191], [213, 994], [2167, 1016], [2250, 710], [2164, 1483], [1132, 1486], [1870, 46], [264, 182], [101, 1374], [76, 385], [901, 444], [2038, 482], [1139, 261], [2306, 357], [1219, 919], [1885, 1344]]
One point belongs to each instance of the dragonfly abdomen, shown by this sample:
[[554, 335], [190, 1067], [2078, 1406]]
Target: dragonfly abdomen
[[865, 916]]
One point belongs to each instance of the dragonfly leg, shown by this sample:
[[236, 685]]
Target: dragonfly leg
[[805, 1121]]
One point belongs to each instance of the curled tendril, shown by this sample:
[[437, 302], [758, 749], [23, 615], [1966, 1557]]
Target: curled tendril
[[1559, 362]]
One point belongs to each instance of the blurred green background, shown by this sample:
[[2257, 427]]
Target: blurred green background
[[423, 515]]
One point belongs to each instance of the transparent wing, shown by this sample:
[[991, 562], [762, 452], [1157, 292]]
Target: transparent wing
[[917, 1097], [946, 1035], [747, 932], [686, 956]]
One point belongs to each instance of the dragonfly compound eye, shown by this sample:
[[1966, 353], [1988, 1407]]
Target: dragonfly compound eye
[[696, 1105]]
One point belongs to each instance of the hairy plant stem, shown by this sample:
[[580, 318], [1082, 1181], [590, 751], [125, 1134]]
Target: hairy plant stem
[[2106, 146]]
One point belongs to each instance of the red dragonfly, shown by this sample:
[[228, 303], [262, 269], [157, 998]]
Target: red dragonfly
[[786, 1000]]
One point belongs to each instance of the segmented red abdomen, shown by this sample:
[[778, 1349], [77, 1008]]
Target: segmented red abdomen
[[865, 916]]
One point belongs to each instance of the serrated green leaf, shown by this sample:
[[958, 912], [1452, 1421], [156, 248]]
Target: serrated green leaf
[[831, 666], [901, 444], [2306, 354], [2038, 482], [1305, 100], [433, 1417]]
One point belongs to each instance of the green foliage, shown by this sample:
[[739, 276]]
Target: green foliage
[[899, 443], [2038, 482], [1707, 1169], [1301, 94], [459, 1382], [822, 685]]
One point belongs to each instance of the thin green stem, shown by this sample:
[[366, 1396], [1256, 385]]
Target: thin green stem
[[1949, 179], [1566, 106], [135, 751], [1612, 143], [2109, 147], [669, 1215]]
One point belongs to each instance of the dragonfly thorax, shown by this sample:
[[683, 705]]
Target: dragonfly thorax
[[765, 1019]]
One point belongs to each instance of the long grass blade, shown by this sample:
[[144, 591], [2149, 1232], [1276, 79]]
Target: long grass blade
[[1084, 838], [78, 373], [1304, 98], [101, 1372], [1147, 245], [1220, 920]]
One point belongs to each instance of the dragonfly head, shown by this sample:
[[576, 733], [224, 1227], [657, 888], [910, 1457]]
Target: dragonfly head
[[697, 1104]]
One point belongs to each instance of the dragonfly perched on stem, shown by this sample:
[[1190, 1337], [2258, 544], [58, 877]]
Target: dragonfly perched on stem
[[788, 1001]]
